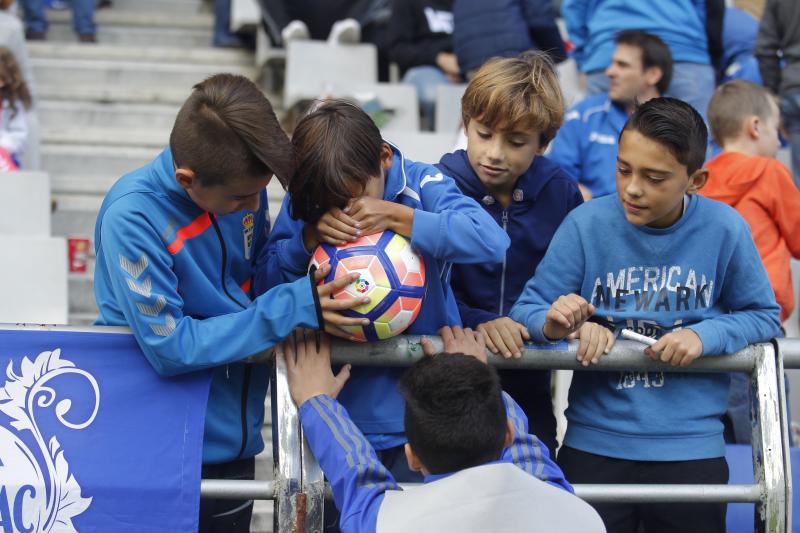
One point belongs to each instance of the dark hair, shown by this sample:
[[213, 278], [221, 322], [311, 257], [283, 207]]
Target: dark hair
[[227, 130], [675, 125], [655, 53], [338, 149], [455, 417], [14, 90], [732, 103]]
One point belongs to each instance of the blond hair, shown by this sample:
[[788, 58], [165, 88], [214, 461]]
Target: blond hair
[[509, 93], [733, 102]]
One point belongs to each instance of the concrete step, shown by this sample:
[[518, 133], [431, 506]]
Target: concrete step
[[174, 96], [84, 115], [138, 36], [141, 137], [155, 18], [122, 52], [107, 73], [59, 159], [81, 296]]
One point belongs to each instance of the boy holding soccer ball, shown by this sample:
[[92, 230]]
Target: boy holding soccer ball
[[350, 183]]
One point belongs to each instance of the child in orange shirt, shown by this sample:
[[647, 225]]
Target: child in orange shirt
[[744, 120]]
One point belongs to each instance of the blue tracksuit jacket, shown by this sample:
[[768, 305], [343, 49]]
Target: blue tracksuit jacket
[[448, 228], [180, 278], [586, 145], [359, 480]]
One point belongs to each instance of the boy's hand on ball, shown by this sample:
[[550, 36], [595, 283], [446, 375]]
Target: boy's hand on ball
[[308, 371], [678, 348], [504, 336], [595, 342], [566, 315], [331, 307], [337, 227], [374, 215]]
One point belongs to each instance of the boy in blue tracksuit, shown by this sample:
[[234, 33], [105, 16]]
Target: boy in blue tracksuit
[[350, 182], [660, 260], [177, 241], [465, 435], [527, 195]]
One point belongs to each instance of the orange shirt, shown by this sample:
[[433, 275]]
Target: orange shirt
[[762, 191]]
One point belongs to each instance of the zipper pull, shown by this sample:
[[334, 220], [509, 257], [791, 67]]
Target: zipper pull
[[505, 218], [227, 371]]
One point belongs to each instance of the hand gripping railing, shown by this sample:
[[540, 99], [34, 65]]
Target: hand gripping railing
[[299, 486]]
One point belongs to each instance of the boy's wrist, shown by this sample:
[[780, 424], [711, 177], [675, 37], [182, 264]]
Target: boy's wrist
[[310, 237], [401, 219]]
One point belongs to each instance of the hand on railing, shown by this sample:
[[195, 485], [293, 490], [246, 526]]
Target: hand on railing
[[678, 348], [457, 340], [566, 316], [308, 368], [595, 342]]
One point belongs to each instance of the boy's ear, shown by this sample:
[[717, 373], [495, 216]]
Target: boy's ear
[[752, 127], [414, 464], [509, 433], [697, 180], [386, 156], [186, 178]]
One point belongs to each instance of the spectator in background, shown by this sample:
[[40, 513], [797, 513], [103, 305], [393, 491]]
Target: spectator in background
[[780, 33], [422, 46], [504, 28], [586, 145], [338, 21], [12, 36], [82, 20], [739, 30], [14, 100], [691, 28]]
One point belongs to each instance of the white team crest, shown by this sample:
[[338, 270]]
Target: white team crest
[[38, 493]]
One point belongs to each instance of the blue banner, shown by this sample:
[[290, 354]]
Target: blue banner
[[92, 439]]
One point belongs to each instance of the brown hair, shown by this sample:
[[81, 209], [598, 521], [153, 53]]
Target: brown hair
[[14, 89], [515, 92], [227, 130], [732, 103], [338, 149]]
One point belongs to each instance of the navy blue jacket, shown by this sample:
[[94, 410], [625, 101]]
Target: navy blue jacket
[[503, 28], [542, 198]]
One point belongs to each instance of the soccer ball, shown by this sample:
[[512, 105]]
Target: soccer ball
[[392, 275]]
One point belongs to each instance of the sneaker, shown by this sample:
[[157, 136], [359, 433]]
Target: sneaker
[[87, 37], [296, 30], [347, 31], [35, 35]]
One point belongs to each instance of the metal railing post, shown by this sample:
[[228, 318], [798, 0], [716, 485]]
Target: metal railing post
[[768, 441]]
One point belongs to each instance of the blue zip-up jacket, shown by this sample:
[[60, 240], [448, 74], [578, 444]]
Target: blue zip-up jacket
[[504, 28], [593, 24], [180, 278], [704, 273], [586, 145], [739, 31], [542, 197], [448, 228], [359, 480]]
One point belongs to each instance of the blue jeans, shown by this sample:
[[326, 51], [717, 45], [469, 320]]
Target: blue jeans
[[82, 16], [790, 112], [694, 84], [691, 82], [426, 78]]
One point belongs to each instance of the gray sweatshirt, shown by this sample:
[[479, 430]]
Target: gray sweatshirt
[[779, 33]]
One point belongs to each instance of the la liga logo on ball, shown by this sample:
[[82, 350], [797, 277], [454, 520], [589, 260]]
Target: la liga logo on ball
[[390, 274]]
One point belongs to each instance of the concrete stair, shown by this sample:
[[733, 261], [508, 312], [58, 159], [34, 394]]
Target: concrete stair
[[107, 109]]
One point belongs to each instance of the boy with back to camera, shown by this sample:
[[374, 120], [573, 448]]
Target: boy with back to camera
[[348, 183], [176, 244], [465, 435], [669, 264], [744, 120], [511, 109]]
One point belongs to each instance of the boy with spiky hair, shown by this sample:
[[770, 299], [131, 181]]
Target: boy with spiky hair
[[176, 244], [667, 263]]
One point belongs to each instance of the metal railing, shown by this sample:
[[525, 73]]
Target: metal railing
[[299, 487]]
